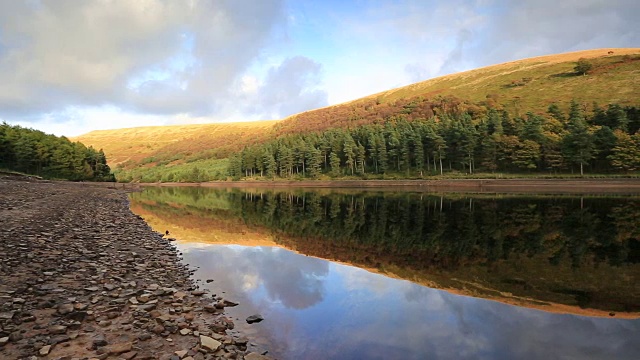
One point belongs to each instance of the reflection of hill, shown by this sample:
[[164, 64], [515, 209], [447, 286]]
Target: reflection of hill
[[527, 251], [193, 224]]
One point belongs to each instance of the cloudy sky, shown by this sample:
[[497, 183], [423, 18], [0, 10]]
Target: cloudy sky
[[71, 66]]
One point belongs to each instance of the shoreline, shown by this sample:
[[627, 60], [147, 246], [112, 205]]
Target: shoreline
[[84, 277], [513, 186]]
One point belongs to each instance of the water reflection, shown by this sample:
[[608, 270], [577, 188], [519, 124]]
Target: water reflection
[[315, 309], [563, 255], [295, 282]]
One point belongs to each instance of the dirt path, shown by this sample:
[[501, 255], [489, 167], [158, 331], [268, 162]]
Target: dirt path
[[81, 277]]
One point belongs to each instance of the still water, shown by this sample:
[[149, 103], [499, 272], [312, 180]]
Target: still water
[[371, 275]]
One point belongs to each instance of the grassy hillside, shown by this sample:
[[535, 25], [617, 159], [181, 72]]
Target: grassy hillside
[[518, 86], [176, 143], [528, 85]]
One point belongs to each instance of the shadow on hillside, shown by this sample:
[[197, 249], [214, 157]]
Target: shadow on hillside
[[565, 75]]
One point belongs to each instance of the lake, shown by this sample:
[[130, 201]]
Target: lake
[[344, 274]]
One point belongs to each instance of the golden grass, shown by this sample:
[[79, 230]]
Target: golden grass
[[484, 78], [135, 144]]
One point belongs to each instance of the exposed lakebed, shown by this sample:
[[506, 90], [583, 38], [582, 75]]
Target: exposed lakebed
[[569, 264]]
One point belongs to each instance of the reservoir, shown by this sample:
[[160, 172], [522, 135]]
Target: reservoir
[[346, 274]]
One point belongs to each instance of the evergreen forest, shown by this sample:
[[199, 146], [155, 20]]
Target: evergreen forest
[[36, 153], [600, 140]]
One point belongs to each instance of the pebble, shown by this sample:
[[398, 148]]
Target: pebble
[[181, 353], [254, 319], [209, 343], [117, 288], [45, 350]]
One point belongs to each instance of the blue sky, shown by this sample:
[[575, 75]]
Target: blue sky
[[68, 67]]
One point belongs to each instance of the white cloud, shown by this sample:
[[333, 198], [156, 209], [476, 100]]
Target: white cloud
[[229, 60], [148, 55]]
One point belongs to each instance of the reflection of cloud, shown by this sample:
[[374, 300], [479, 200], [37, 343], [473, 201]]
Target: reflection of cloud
[[317, 309], [294, 280], [359, 279]]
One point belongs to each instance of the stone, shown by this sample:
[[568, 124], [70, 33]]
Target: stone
[[116, 349], [45, 350], [92, 288], [129, 355], [256, 356], [185, 332], [157, 329], [254, 319], [77, 315], [147, 307], [228, 303], [64, 309], [181, 353], [57, 329], [8, 315], [98, 341], [209, 343], [4, 340], [198, 292], [15, 336], [145, 336], [59, 339]]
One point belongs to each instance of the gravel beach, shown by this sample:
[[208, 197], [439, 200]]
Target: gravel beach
[[82, 277]]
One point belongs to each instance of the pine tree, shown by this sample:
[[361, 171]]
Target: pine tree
[[578, 144], [334, 162], [626, 154]]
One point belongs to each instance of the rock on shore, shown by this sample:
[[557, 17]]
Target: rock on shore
[[81, 277]]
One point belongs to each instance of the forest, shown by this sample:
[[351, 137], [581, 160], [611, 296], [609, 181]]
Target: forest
[[36, 153], [580, 140]]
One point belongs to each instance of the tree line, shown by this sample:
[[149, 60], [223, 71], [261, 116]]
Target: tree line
[[605, 140], [34, 152]]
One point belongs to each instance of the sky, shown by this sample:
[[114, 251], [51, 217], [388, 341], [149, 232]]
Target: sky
[[68, 67]]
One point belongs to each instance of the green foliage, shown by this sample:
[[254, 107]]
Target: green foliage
[[195, 171], [578, 143], [626, 153], [583, 66], [34, 152], [410, 149]]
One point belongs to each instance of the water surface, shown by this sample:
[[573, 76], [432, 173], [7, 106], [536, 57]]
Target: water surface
[[557, 258]]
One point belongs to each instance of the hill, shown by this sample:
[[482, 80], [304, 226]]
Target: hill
[[518, 87], [175, 142]]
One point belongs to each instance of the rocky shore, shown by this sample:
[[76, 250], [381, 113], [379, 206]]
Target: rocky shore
[[81, 277]]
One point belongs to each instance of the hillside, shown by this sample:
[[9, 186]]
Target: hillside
[[517, 87], [175, 142]]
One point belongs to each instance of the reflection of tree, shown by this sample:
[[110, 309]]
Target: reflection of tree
[[505, 243]]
